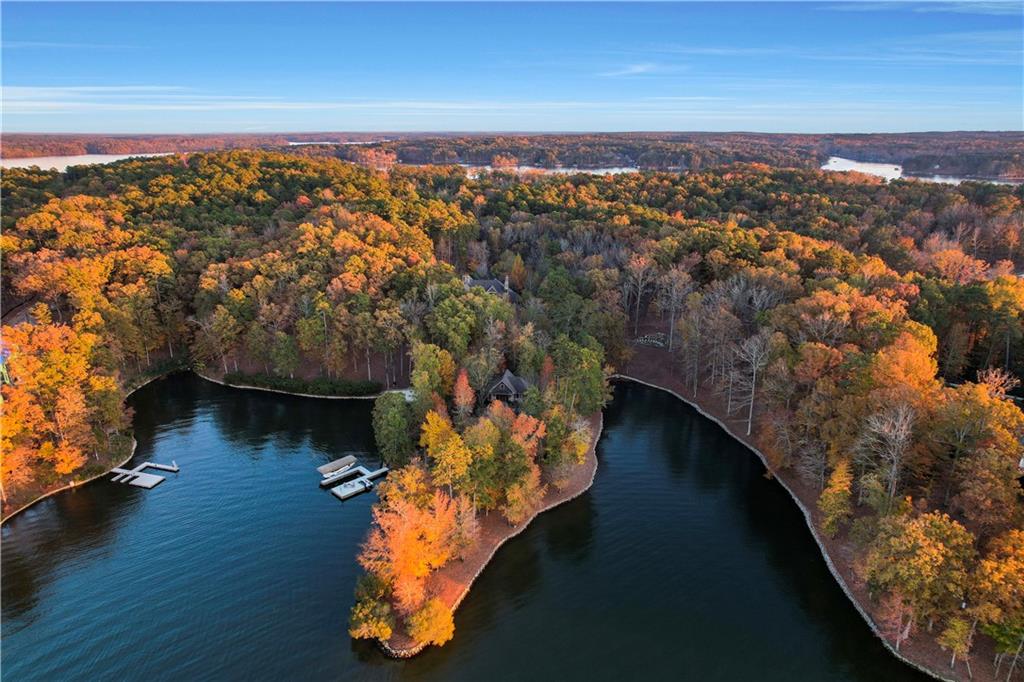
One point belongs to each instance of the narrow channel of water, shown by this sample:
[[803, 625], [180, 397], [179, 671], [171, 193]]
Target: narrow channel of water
[[682, 562]]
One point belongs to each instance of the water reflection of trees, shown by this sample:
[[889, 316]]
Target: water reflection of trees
[[792, 555], [569, 530], [254, 419], [72, 524], [58, 530], [753, 515]]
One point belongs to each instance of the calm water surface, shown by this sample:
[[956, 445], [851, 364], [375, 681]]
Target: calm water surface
[[892, 171], [61, 163], [682, 562]]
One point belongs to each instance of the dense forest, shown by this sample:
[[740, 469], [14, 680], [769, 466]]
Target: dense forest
[[30, 145], [869, 334], [984, 155]]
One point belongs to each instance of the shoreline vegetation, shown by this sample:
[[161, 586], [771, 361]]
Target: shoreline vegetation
[[109, 456], [310, 388], [71, 485]]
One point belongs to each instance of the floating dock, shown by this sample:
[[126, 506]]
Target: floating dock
[[362, 483], [140, 479]]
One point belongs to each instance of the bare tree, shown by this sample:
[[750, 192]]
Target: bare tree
[[812, 460], [640, 275], [673, 288], [885, 444], [824, 327], [691, 329], [752, 355], [722, 328]]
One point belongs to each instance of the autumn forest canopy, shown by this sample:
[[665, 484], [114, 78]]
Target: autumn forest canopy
[[869, 335]]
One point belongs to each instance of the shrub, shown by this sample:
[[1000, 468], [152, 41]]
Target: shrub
[[318, 386]]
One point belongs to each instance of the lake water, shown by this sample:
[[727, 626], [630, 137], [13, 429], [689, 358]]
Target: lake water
[[891, 171], [682, 562], [475, 170], [61, 163]]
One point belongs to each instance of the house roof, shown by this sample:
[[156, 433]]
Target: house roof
[[495, 286], [516, 384], [488, 284]]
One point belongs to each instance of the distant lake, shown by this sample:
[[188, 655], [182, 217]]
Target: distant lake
[[561, 170], [329, 142], [682, 561], [61, 163], [892, 171]]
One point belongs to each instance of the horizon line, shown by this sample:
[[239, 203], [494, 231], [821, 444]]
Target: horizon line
[[521, 132]]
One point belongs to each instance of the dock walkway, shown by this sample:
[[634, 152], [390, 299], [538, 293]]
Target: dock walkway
[[140, 479], [362, 483]]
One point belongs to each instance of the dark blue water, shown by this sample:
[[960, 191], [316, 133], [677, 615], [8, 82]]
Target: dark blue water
[[682, 562]]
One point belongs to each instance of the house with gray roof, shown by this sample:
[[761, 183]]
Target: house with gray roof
[[508, 388], [492, 286]]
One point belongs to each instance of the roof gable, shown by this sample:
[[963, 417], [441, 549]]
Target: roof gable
[[510, 382]]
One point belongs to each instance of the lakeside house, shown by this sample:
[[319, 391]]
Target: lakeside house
[[508, 388], [492, 286]]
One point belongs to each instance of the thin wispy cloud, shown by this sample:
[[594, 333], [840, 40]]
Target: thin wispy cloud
[[630, 70], [720, 50], [45, 45], [996, 48], [685, 98], [980, 7], [156, 98]]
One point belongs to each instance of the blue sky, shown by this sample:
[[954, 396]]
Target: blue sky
[[254, 67]]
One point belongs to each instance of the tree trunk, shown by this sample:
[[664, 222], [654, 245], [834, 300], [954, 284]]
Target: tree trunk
[[1015, 657], [671, 328], [753, 388], [369, 376], [636, 319], [327, 338]]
